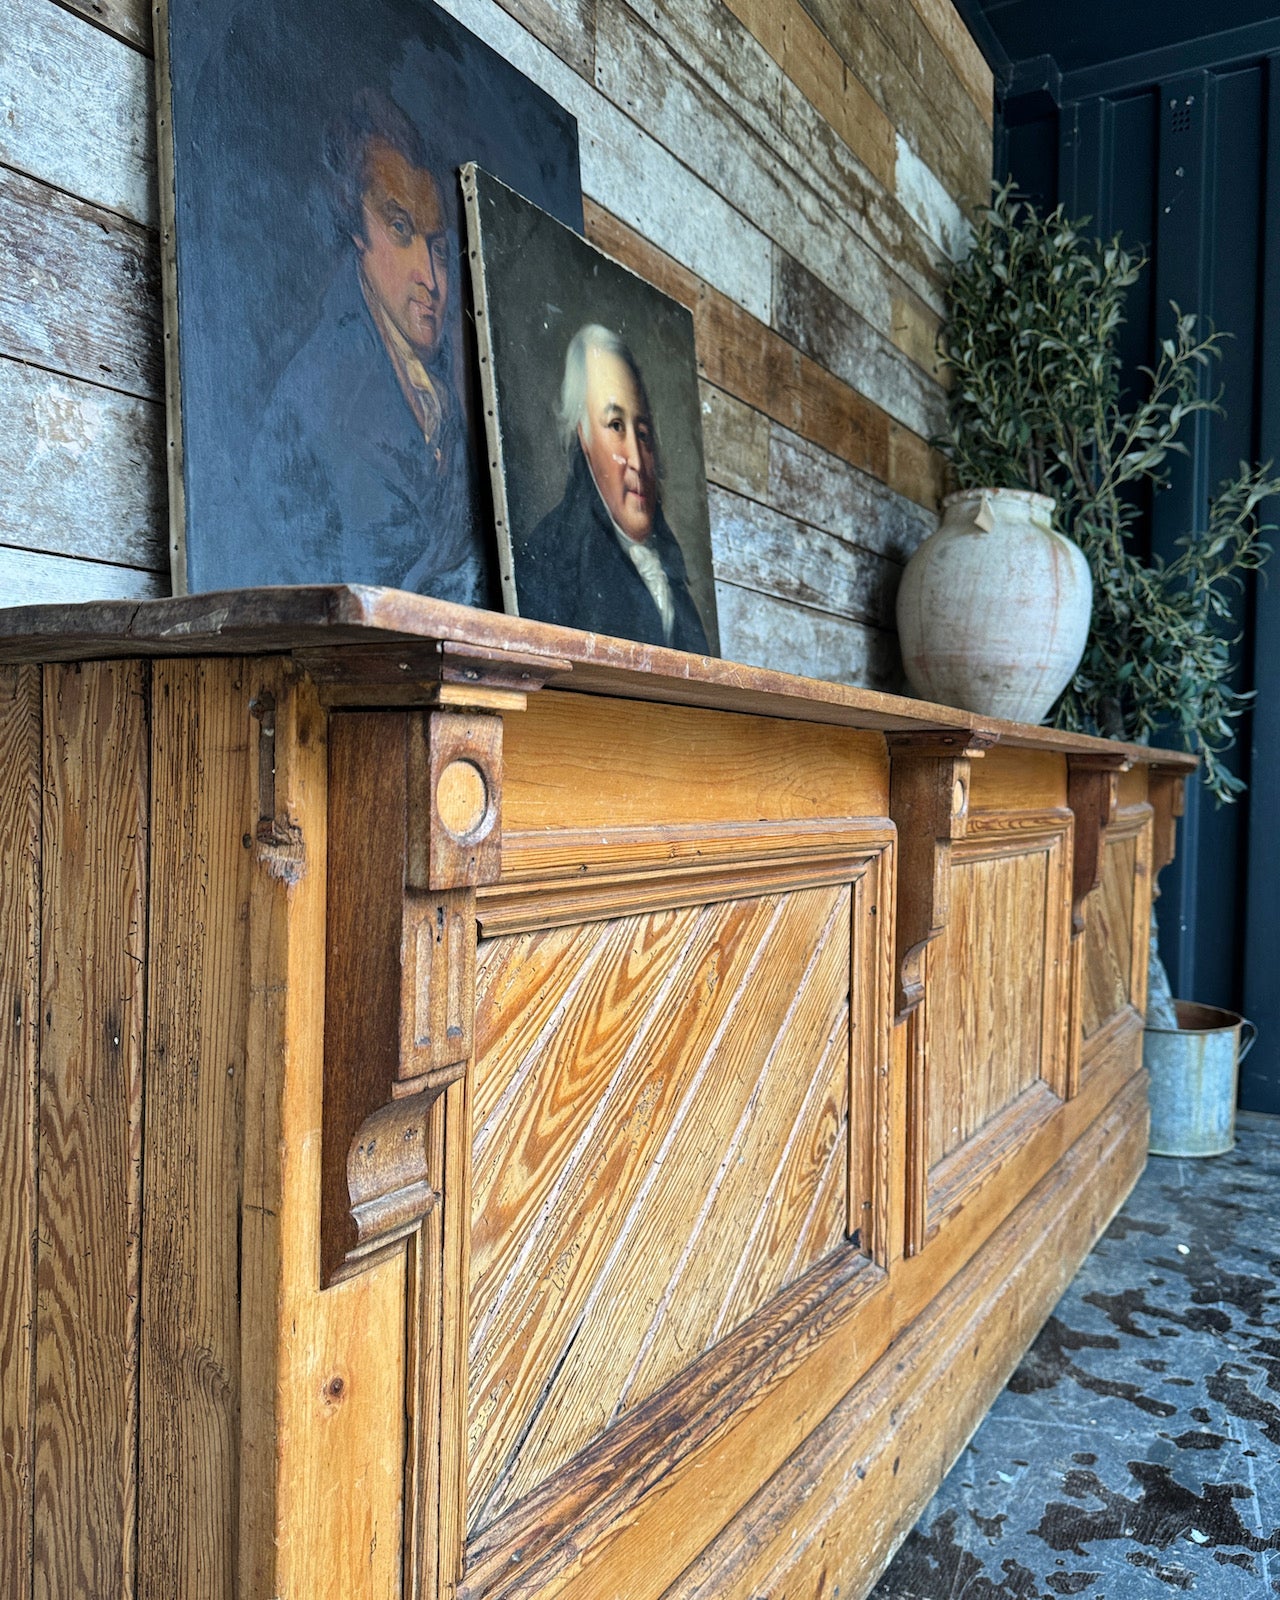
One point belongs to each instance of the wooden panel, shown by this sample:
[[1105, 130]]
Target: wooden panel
[[27, 579], [817, 487], [202, 810], [615, 1186], [20, 766], [79, 289], [957, 44], [1013, 780], [757, 548], [578, 761], [1114, 961], [75, 109], [567, 28], [830, 1518], [322, 1373], [127, 19], [67, 447], [93, 944], [983, 1038], [760, 629]]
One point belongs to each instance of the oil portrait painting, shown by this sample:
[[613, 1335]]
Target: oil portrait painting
[[595, 431], [324, 405]]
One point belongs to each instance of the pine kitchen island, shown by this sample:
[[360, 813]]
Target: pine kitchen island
[[494, 1111]]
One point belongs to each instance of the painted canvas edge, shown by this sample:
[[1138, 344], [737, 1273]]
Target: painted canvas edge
[[167, 180], [488, 388]]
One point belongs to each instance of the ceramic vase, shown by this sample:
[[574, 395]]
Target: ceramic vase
[[993, 608]]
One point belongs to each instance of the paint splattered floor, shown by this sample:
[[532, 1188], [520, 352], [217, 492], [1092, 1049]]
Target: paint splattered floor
[[1136, 1450]]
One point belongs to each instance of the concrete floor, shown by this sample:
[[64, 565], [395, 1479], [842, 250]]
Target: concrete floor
[[1136, 1450]]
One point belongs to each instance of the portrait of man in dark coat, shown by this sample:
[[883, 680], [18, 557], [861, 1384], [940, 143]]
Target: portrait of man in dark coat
[[604, 559], [362, 457]]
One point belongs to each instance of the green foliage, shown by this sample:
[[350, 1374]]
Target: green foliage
[[1036, 403]]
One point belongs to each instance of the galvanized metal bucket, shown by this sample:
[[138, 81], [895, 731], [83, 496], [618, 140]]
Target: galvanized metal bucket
[[1194, 1069]]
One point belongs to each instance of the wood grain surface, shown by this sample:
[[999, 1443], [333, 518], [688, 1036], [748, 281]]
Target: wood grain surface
[[615, 1186], [1117, 914], [20, 774], [204, 793], [575, 762], [322, 1372], [93, 949]]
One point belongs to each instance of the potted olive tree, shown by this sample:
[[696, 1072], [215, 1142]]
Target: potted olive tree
[[1036, 405]]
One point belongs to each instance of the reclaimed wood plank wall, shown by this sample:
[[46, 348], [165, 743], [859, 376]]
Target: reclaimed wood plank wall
[[794, 172]]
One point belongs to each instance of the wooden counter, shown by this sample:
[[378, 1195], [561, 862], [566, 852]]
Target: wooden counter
[[497, 1112]]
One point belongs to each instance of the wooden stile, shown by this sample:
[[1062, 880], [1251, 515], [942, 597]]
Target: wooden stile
[[93, 962], [20, 782]]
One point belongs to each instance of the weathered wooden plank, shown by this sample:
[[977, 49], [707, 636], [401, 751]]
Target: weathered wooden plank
[[20, 772], [76, 109], [79, 289], [129, 20], [628, 171], [824, 326], [574, 762], [735, 443], [773, 554], [957, 44], [927, 199], [203, 806], [93, 945], [810, 484], [568, 29], [809, 60], [726, 58], [322, 1372], [815, 218], [30, 578], [81, 470], [756, 629], [896, 55]]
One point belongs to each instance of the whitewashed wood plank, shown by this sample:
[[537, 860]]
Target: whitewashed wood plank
[[76, 109], [82, 469], [31, 578], [841, 213], [629, 172], [925, 196], [758, 548], [763, 632], [566, 26], [129, 20], [823, 325], [79, 289], [812, 485]]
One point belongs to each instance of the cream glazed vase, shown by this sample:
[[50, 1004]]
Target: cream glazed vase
[[993, 608]]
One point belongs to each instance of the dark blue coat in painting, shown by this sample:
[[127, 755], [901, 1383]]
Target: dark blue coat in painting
[[571, 569], [347, 489]]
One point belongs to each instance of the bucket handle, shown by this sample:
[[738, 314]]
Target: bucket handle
[[1246, 1044]]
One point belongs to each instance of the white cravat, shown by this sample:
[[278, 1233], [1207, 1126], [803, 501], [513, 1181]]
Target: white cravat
[[648, 563]]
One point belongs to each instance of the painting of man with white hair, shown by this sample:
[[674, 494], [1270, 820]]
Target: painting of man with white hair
[[592, 404]]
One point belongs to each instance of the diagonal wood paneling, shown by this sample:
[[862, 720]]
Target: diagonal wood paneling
[[628, 1210], [1108, 937]]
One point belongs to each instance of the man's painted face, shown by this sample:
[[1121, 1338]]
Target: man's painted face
[[405, 252], [618, 444]]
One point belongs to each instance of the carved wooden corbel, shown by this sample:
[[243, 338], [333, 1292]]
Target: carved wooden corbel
[[1093, 793], [929, 805], [1167, 792], [414, 827]]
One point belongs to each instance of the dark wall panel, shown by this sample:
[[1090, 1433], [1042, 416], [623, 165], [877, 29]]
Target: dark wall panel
[[1187, 168]]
